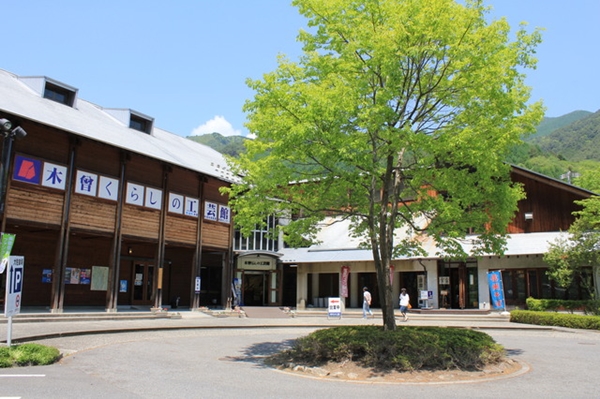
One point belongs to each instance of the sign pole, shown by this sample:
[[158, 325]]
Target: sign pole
[[9, 332], [14, 290]]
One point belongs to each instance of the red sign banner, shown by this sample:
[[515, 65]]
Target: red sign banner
[[345, 275]]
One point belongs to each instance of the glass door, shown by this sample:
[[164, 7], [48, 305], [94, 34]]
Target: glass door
[[143, 284]]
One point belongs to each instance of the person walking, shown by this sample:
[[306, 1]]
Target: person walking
[[366, 303], [404, 303]]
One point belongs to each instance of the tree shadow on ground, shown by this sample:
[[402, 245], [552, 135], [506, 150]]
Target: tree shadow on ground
[[256, 353]]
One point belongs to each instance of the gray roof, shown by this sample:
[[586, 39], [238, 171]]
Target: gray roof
[[21, 97], [338, 246]]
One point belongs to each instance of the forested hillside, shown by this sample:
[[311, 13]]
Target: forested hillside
[[550, 124], [228, 145], [567, 143], [577, 141]]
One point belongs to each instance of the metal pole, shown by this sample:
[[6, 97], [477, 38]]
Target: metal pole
[[9, 332]]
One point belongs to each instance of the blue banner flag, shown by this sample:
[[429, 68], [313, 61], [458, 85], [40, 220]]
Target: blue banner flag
[[496, 290]]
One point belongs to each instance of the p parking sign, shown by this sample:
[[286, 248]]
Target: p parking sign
[[14, 285]]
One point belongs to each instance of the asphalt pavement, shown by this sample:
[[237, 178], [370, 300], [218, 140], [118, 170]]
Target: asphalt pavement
[[213, 354], [34, 324]]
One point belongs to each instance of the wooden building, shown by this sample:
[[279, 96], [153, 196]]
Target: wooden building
[[109, 210], [339, 268]]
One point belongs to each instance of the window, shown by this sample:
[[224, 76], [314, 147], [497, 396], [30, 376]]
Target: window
[[260, 238], [138, 123], [59, 94]]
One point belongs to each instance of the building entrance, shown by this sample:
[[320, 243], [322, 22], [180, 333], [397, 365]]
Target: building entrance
[[143, 284], [254, 288], [458, 285]]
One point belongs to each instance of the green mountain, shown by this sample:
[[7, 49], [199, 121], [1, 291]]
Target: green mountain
[[228, 145], [550, 124], [577, 141]]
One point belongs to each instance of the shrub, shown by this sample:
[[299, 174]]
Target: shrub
[[405, 349], [541, 305], [28, 355], [555, 319]]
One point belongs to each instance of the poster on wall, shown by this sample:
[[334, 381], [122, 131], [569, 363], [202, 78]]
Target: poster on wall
[[85, 276], [46, 275], [74, 275], [123, 286], [99, 278]]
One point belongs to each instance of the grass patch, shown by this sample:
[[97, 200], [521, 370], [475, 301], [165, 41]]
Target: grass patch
[[405, 349], [28, 355]]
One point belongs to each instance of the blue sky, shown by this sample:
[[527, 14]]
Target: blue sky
[[185, 62]]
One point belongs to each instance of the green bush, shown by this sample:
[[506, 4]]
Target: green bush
[[28, 355], [555, 319], [545, 305], [405, 349]]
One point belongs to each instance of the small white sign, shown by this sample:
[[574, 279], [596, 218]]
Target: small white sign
[[135, 194], [108, 188], [86, 183], [153, 198], [54, 176], [192, 206], [210, 211], [176, 203]]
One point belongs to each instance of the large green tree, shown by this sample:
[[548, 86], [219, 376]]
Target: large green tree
[[568, 256], [398, 115]]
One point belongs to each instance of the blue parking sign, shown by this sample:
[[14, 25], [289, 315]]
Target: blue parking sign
[[14, 286]]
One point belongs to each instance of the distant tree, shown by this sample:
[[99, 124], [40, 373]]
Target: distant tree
[[568, 256], [589, 175], [399, 115]]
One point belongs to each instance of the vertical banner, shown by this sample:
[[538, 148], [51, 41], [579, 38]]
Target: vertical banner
[[496, 290], [391, 274], [6, 244], [345, 274], [236, 288]]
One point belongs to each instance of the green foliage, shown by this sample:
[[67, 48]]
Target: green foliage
[[28, 355], [228, 145], [555, 319], [405, 349], [390, 102], [544, 305], [567, 256]]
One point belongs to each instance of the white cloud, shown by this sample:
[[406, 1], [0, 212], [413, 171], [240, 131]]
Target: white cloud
[[217, 124]]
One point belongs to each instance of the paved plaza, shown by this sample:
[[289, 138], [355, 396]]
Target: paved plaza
[[196, 355]]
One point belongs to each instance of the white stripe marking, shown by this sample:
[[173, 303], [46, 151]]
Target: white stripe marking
[[21, 376]]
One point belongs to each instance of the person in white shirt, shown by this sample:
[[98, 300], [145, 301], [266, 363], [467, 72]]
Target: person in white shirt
[[366, 303], [404, 302]]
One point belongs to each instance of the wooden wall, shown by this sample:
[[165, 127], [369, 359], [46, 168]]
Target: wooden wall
[[550, 204], [39, 205]]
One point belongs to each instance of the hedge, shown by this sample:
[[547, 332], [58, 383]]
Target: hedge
[[555, 319], [545, 305]]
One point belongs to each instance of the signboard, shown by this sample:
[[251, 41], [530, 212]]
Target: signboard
[[197, 285], [496, 290], [14, 286], [334, 307]]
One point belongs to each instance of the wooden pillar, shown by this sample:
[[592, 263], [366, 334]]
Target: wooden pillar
[[62, 245], [115, 260], [197, 260]]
